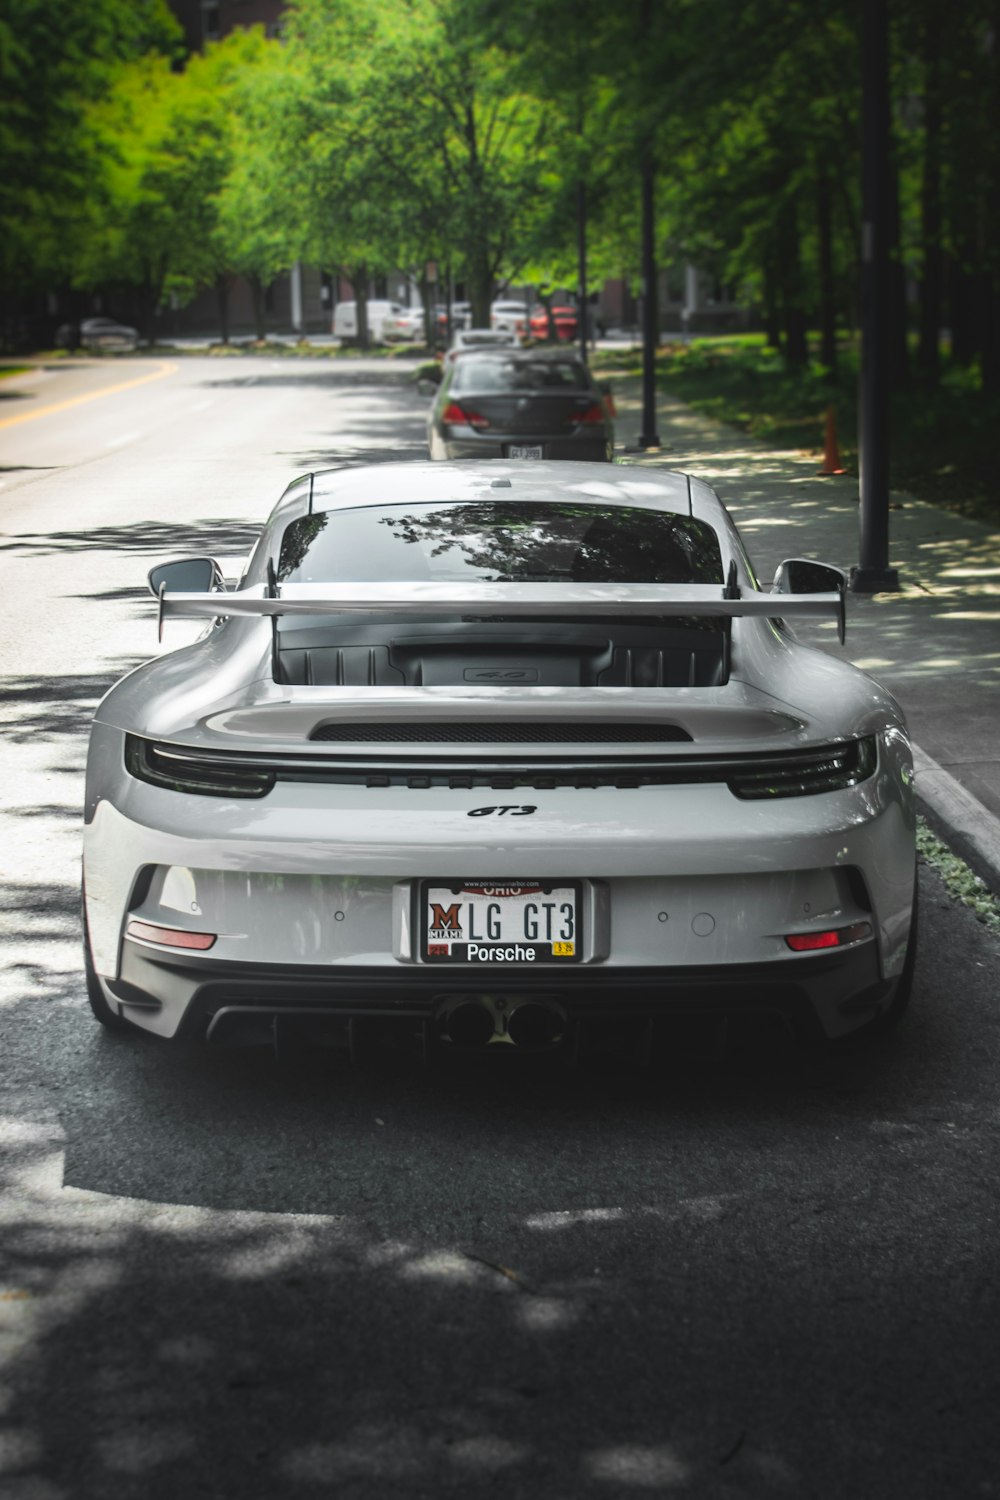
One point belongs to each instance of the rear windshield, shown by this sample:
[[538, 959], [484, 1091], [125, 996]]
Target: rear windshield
[[482, 337], [499, 542], [494, 373]]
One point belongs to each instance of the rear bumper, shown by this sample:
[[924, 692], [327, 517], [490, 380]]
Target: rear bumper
[[310, 894], [821, 995]]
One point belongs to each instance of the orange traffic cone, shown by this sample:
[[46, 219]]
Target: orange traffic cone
[[831, 453]]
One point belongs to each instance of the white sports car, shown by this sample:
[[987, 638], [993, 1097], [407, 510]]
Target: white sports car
[[497, 753]]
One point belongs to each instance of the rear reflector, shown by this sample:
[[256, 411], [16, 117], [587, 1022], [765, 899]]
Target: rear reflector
[[808, 942], [170, 937]]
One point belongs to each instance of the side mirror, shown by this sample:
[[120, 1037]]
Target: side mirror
[[187, 575], [801, 575]]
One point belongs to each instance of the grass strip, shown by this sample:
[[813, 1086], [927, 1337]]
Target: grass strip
[[961, 883]]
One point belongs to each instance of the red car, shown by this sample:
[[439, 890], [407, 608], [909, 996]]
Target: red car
[[564, 321]]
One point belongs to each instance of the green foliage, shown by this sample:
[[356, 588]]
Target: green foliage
[[943, 440], [182, 180], [53, 62], [407, 141], [390, 133]]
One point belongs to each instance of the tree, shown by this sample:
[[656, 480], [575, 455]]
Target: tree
[[50, 72], [160, 153], [180, 181]]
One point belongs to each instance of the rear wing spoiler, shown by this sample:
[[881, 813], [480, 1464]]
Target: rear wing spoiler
[[530, 600]]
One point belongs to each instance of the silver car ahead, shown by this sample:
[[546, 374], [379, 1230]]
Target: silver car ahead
[[520, 403], [99, 336], [491, 755]]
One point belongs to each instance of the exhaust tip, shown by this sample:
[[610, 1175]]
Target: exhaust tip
[[469, 1024], [534, 1026]]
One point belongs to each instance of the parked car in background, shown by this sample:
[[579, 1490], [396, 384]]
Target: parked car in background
[[496, 755], [98, 336], [461, 317], [467, 339], [564, 321], [512, 317], [406, 325], [519, 403], [345, 319]]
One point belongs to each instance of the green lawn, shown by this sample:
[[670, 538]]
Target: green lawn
[[942, 442]]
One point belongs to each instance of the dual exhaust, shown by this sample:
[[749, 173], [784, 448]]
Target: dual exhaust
[[476, 1021]]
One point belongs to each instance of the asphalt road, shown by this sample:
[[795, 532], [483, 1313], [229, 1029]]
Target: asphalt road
[[760, 1272]]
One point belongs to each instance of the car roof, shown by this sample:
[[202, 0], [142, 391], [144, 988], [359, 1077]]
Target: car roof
[[491, 336], [429, 481], [522, 356]]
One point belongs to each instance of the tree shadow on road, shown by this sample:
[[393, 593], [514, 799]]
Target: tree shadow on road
[[57, 707], [145, 538], [242, 1279], [322, 374]]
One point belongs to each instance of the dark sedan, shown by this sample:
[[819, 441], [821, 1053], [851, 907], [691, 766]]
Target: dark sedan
[[520, 404]]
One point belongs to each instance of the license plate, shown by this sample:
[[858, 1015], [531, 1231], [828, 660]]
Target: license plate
[[516, 923], [525, 450]]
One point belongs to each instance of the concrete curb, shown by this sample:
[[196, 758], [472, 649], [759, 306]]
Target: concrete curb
[[961, 820]]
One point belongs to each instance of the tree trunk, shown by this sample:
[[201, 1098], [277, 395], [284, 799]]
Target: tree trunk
[[545, 298], [149, 296], [424, 287], [361, 282], [962, 316], [222, 300], [991, 333], [991, 220], [480, 273], [772, 311], [827, 289], [791, 288], [257, 294], [929, 354]]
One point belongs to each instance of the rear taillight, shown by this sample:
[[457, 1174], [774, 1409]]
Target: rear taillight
[[592, 413], [178, 769], [830, 769], [811, 942], [458, 416]]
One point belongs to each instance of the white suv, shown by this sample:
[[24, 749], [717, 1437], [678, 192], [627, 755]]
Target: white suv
[[510, 317]]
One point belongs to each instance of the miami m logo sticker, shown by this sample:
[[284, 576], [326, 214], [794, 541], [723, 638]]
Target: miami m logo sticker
[[445, 916]]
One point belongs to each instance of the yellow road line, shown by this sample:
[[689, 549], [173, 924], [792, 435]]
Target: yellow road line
[[111, 390]]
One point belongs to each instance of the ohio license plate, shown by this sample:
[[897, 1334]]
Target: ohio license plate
[[512, 922], [525, 450]]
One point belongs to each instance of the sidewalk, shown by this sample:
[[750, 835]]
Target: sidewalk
[[935, 645]]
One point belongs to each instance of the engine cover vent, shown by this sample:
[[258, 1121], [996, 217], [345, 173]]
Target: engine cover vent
[[510, 732]]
